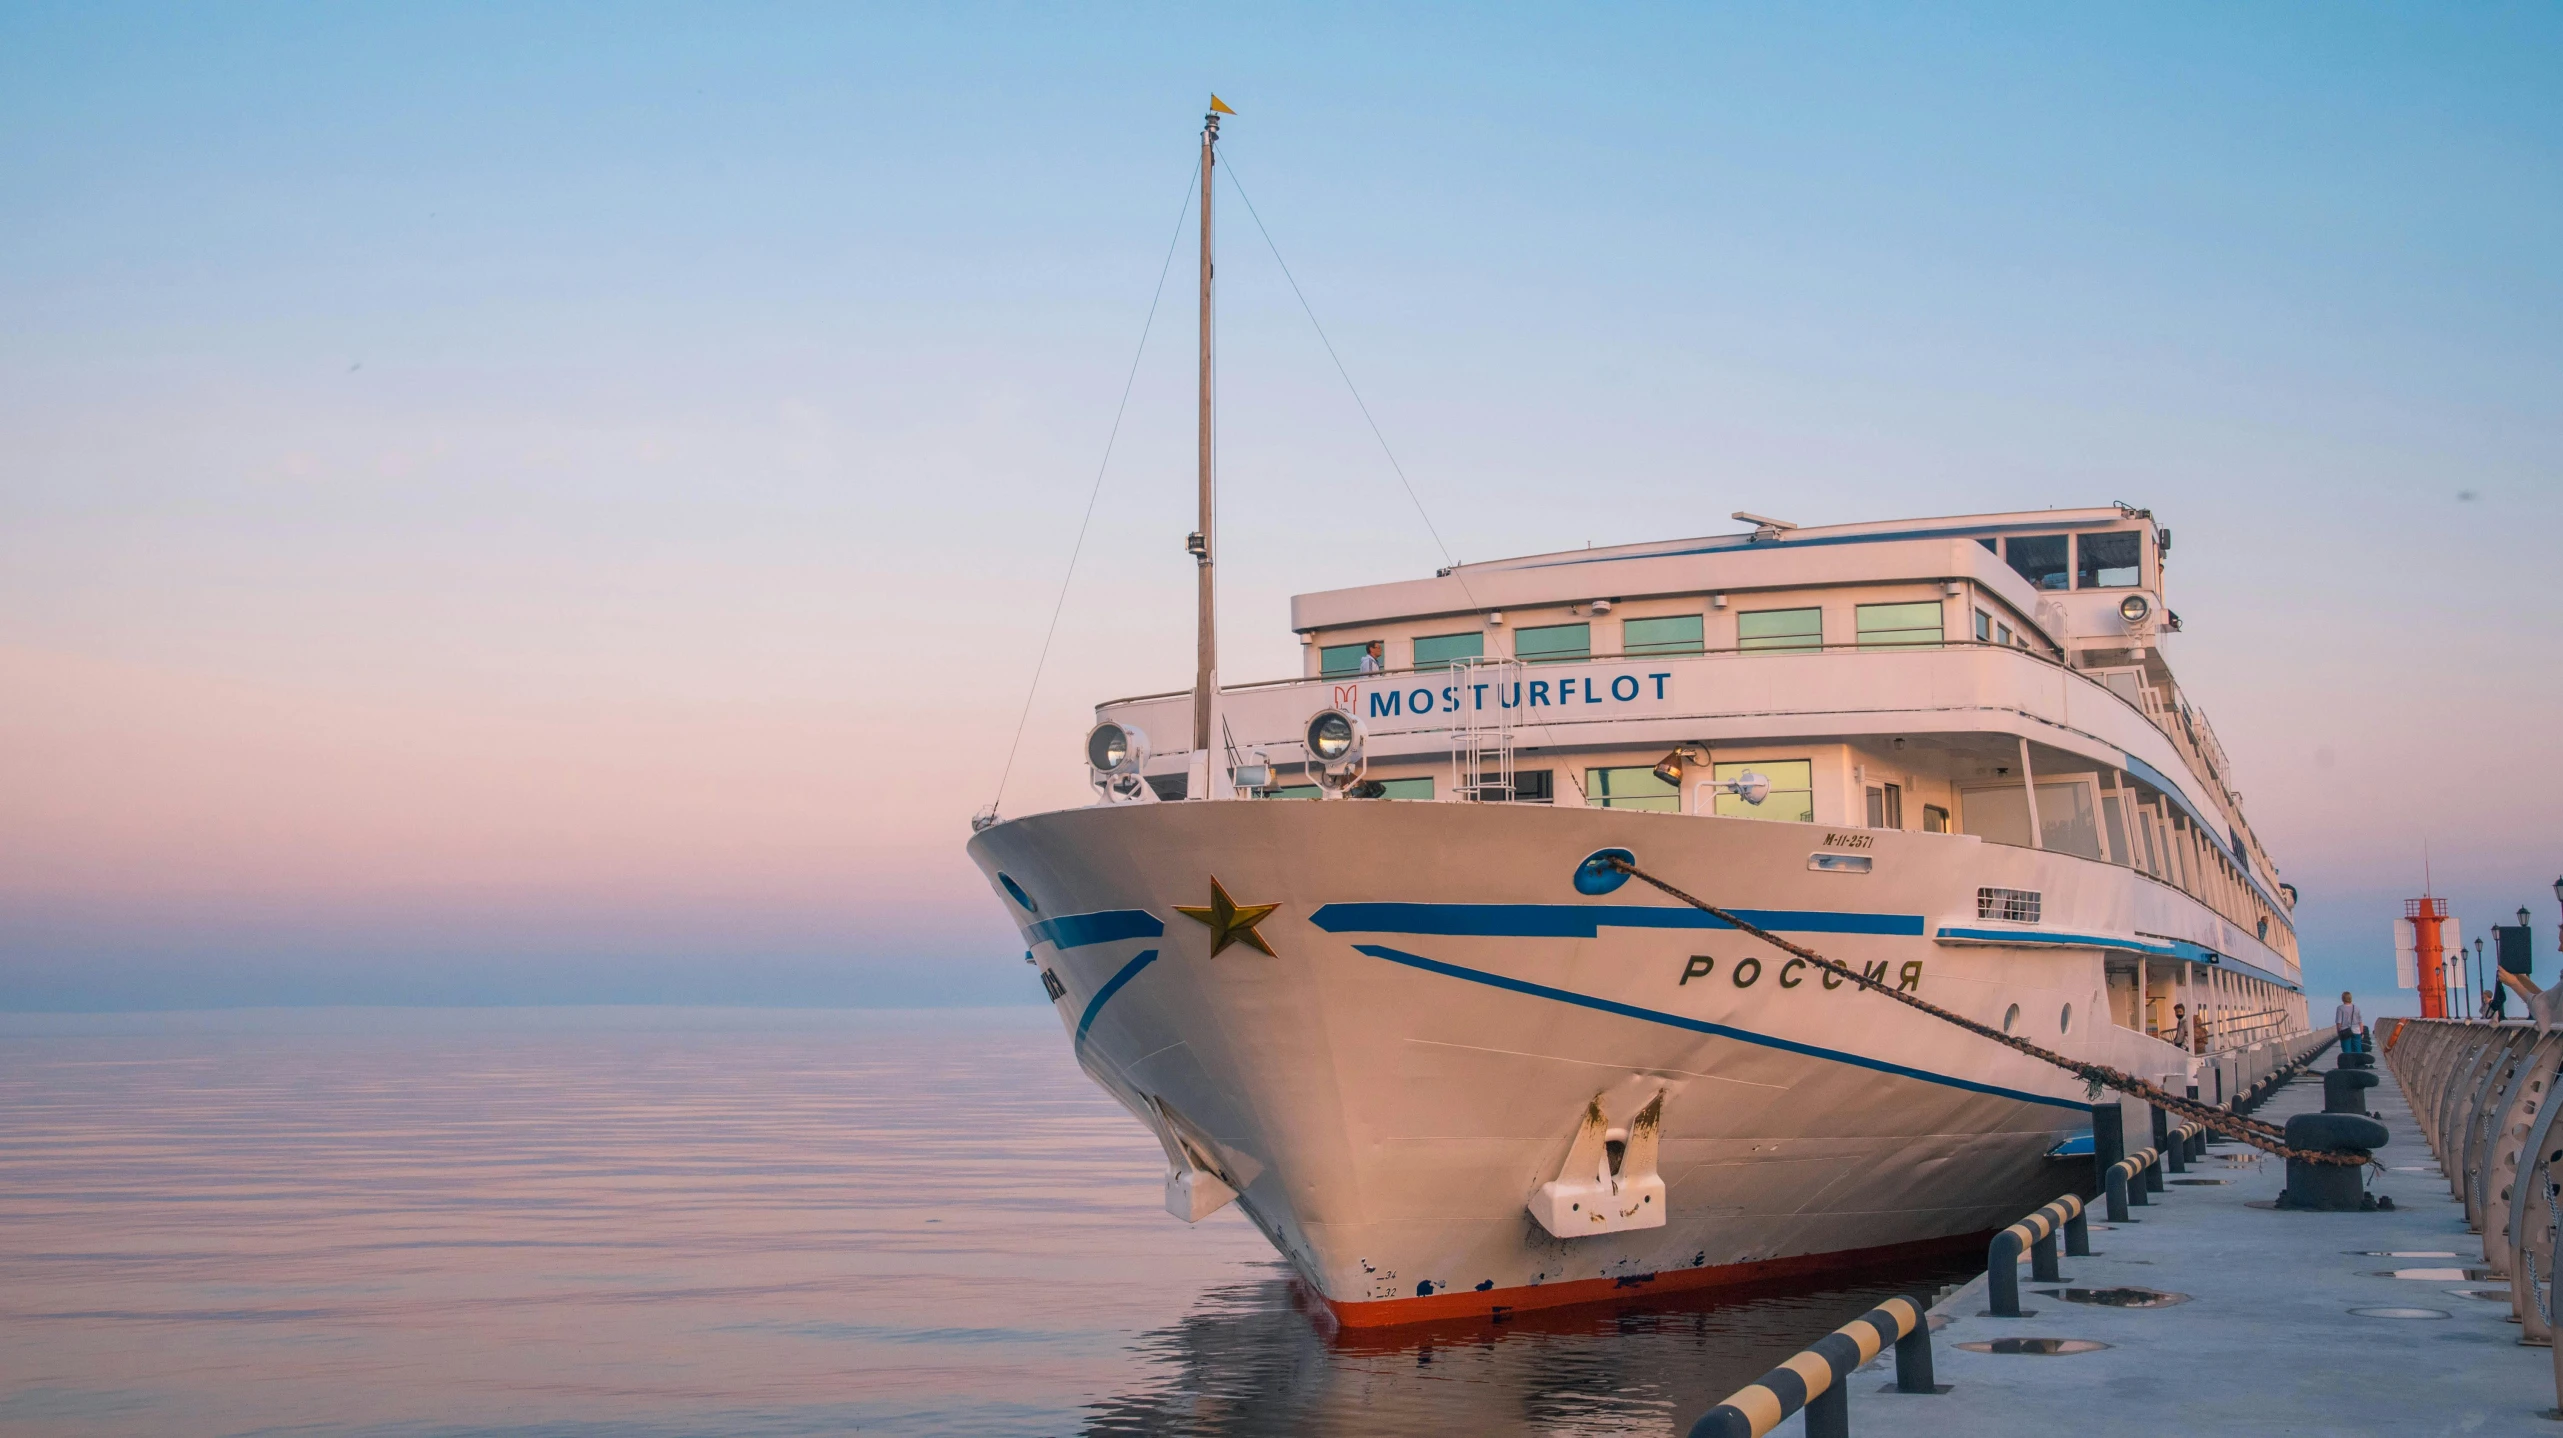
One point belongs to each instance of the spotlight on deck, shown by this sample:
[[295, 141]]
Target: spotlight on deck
[[2134, 608], [1749, 786], [1116, 749], [1114, 753], [1670, 767], [1334, 740]]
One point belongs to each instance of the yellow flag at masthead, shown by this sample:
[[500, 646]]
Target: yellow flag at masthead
[[1219, 106]]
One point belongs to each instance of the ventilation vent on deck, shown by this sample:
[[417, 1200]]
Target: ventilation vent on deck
[[2020, 906]]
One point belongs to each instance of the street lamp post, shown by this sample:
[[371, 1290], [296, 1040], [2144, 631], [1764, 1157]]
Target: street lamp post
[[2482, 995]]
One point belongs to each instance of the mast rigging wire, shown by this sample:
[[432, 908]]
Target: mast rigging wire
[[1305, 308], [1192, 183]]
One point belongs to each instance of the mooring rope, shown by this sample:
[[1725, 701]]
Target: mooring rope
[[2266, 1137]]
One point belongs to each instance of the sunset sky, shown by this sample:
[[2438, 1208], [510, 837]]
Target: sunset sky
[[505, 505]]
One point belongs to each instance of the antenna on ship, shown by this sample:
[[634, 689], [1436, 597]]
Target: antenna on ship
[[1206, 640]]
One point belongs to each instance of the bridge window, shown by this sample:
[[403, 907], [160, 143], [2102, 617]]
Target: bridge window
[[1984, 626], [1549, 643], [2107, 561], [2040, 559], [1671, 634], [1438, 649], [1337, 659], [1935, 820], [1799, 631], [1792, 796], [1632, 788], [1406, 788], [1895, 626]]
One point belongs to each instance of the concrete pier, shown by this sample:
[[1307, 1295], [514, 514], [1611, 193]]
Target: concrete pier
[[2271, 1339]]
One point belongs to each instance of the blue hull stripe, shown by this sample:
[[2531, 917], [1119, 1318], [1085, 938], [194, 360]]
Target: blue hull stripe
[[2175, 949], [1075, 931], [1111, 987], [1702, 1026], [1584, 921]]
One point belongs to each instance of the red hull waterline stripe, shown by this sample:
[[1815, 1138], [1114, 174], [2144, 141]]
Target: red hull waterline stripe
[[1440, 1307]]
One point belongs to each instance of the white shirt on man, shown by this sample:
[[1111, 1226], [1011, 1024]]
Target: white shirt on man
[[2347, 1017]]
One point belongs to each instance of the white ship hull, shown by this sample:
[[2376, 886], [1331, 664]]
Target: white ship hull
[[1390, 1089]]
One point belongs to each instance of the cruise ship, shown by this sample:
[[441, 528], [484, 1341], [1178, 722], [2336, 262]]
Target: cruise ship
[[1353, 946]]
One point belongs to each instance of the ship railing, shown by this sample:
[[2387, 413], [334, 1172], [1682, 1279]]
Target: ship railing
[[2476, 1089], [2160, 711]]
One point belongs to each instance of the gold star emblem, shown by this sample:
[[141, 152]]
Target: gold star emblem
[[1230, 922]]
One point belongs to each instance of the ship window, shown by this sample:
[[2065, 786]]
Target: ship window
[[1984, 626], [1549, 643], [1534, 786], [2106, 561], [2039, 558], [1987, 541], [1792, 630], [1935, 820], [1436, 649], [1792, 796], [1289, 791], [1406, 788], [1671, 634], [1893, 626], [2068, 820], [1337, 659], [2116, 824], [1632, 788], [2002, 634]]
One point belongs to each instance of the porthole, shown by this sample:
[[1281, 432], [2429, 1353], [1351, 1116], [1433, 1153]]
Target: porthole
[[2010, 1018], [2065, 1021]]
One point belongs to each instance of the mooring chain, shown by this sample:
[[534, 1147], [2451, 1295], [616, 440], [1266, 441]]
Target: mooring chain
[[2266, 1137]]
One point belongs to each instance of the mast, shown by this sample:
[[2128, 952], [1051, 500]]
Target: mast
[[1206, 674]]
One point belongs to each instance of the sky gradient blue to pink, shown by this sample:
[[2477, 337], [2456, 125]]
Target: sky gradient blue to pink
[[560, 503]]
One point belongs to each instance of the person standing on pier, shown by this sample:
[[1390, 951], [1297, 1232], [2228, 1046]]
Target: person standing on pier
[[2346, 1019]]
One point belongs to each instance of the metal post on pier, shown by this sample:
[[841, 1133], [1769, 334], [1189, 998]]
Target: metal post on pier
[[2162, 1144], [2108, 1140]]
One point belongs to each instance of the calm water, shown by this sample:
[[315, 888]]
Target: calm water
[[571, 1221]]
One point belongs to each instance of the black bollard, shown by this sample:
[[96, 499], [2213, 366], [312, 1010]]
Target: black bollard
[[2162, 1142], [2198, 1132], [2344, 1090], [2108, 1140], [2334, 1187]]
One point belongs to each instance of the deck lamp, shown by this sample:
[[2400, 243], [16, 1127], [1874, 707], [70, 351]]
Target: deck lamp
[[1115, 748], [1334, 740], [1669, 768], [2134, 608]]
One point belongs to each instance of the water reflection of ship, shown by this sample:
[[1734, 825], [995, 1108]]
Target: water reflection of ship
[[1264, 1357]]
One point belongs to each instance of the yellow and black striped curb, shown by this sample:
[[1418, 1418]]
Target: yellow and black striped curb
[[1759, 1407]]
